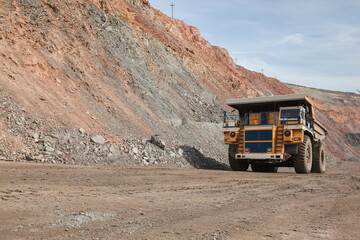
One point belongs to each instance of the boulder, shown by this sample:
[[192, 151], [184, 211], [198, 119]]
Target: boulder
[[135, 150], [157, 141], [98, 139], [113, 148], [82, 130], [30, 157], [49, 149], [181, 152], [35, 136]]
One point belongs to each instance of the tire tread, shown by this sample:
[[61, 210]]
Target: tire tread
[[317, 164], [299, 159], [236, 165]]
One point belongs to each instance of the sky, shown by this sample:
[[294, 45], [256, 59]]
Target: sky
[[315, 43]]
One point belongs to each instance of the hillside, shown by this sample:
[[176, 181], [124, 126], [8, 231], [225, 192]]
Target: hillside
[[88, 81], [339, 112]]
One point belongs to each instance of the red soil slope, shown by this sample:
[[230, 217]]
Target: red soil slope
[[124, 70]]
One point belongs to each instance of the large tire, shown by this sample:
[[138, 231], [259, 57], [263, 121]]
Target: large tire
[[319, 161], [236, 165], [303, 160], [263, 167]]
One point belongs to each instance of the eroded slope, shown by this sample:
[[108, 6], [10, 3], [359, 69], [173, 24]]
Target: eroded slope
[[117, 68]]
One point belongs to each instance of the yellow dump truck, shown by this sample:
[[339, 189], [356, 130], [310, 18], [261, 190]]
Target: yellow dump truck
[[272, 132]]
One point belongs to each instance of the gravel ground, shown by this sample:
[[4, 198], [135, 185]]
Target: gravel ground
[[41, 201]]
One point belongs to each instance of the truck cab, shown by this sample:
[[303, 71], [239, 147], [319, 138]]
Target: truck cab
[[292, 115], [272, 132]]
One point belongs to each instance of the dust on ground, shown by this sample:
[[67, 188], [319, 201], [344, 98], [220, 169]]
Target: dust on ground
[[40, 201]]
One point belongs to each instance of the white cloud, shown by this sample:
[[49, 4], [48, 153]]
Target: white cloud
[[296, 38], [347, 35]]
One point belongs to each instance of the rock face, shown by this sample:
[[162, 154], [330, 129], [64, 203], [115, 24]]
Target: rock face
[[339, 112], [121, 69]]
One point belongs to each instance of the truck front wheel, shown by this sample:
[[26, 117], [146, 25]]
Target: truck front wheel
[[319, 162], [236, 165], [303, 160]]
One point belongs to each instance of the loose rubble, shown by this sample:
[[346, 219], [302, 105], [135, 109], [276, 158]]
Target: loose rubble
[[76, 146]]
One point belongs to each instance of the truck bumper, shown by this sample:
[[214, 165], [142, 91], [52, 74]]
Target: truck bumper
[[259, 156]]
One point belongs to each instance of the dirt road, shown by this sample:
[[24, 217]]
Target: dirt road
[[66, 202]]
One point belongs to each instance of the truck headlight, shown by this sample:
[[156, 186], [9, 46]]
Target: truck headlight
[[232, 134], [287, 133]]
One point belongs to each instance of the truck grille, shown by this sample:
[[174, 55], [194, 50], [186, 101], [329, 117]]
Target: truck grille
[[252, 139], [258, 135], [258, 147]]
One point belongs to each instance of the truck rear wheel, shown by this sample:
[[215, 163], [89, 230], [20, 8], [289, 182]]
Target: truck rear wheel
[[255, 167], [303, 160], [319, 162], [236, 165]]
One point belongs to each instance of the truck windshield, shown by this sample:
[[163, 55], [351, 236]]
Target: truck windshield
[[290, 113]]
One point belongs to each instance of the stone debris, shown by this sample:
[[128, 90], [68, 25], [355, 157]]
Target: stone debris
[[98, 139], [82, 130], [181, 151], [113, 149], [64, 145], [30, 157], [49, 149], [36, 136], [157, 141], [135, 150]]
